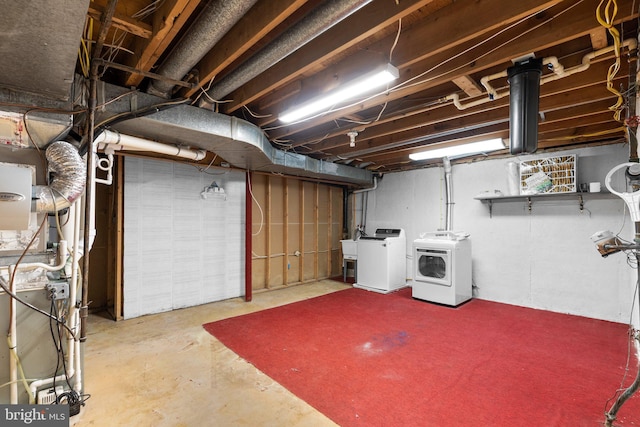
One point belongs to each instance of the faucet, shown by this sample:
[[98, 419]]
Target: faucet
[[359, 232]]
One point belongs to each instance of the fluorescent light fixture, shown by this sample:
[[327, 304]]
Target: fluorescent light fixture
[[359, 86], [460, 150]]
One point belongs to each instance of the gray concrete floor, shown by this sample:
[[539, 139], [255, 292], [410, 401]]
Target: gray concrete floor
[[166, 370]]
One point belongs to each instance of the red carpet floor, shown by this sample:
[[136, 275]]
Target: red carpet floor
[[367, 359]]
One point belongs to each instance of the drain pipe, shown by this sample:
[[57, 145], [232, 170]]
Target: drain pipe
[[448, 194], [114, 141], [365, 202], [314, 24], [213, 23]]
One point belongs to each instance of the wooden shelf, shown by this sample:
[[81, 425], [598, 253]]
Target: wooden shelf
[[531, 198]]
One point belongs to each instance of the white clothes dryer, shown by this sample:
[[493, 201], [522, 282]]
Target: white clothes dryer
[[442, 268]]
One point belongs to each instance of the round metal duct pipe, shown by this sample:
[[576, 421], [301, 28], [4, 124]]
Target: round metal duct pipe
[[318, 21], [69, 174], [213, 23]]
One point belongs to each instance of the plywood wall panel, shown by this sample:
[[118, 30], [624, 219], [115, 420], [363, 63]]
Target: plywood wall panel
[[301, 231]]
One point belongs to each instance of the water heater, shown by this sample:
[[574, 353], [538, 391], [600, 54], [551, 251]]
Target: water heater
[[524, 91]]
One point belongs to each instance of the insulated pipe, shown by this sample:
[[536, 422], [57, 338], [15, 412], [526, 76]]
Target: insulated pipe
[[110, 140], [318, 21], [67, 184], [213, 23], [558, 72]]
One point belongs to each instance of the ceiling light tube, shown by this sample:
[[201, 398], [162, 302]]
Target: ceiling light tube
[[359, 86], [460, 150]]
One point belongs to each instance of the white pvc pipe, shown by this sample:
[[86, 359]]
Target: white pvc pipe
[[109, 140], [73, 345], [73, 352], [559, 72], [13, 330], [375, 185], [13, 342], [35, 385]]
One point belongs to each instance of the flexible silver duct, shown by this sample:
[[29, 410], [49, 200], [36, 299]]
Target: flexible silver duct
[[68, 178], [215, 21], [314, 24]]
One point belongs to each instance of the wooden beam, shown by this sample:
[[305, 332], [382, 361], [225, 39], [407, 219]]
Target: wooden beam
[[435, 118], [579, 134], [267, 230], [257, 23], [468, 85], [462, 127], [362, 24], [301, 219], [121, 22], [168, 20], [316, 224], [599, 38], [602, 117], [565, 27], [285, 231], [119, 239], [329, 231]]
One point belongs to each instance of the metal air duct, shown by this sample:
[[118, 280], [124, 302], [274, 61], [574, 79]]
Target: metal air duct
[[40, 45], [215, 21], [314, 24], [68, 178], [240, 143], [524, 102]]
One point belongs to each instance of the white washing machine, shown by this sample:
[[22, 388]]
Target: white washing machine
[[442, 268], [382, 261]]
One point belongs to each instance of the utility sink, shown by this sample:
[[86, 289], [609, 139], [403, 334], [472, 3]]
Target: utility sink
[[349, 249]]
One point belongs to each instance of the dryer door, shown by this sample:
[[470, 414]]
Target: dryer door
[[433, 266]]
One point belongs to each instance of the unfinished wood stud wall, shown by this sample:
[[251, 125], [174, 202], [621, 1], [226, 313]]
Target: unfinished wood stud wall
[[296, 237]]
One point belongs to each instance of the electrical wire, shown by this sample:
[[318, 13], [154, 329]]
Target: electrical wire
[[23, 378], [148, 10], [632, 336], [84, 50], [141, 112], [412, 81], [257, 203], [395, 41], [606, 17], [257, 116]]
